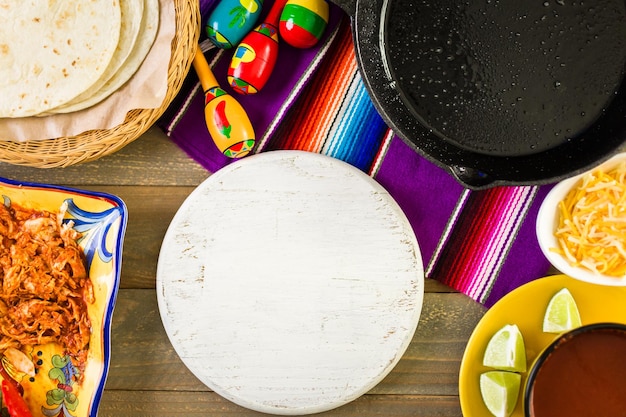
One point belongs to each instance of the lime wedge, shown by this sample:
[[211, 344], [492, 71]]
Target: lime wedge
[[561, 314], [500, 390], [505, 350]]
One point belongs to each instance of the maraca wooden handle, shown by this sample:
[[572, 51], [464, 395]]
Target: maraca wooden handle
[[207, 79], [273, 16], [226, 120]]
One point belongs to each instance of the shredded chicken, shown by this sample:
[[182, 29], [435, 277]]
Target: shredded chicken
[[44, 285]]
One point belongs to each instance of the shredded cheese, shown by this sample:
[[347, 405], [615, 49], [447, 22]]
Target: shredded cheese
[[592, 223]]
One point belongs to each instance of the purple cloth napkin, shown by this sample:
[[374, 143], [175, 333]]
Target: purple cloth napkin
[[481, 243]]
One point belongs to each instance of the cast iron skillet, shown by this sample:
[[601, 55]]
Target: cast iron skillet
[[499, 92]]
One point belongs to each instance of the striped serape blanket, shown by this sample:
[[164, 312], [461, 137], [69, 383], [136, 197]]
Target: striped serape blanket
[[481, 243]]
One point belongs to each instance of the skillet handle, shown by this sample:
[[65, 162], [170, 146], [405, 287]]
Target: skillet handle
[[470, 177], [348, 6]]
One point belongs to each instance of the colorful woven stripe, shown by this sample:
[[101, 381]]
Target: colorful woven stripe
[[475, 247], [481, 243], [339, 119]]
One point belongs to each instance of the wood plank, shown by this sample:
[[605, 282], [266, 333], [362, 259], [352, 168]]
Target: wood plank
[[164, 404], [151, 210], [143, 357], [430, 365], [435, 286], [152, 159], [147, 378]]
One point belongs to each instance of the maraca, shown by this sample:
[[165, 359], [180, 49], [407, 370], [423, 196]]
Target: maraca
[[231, 20], [255, 57], [227, 121], [303, 22]]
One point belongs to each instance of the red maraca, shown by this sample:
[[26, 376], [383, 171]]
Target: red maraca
[[303, 22], [255, 57]]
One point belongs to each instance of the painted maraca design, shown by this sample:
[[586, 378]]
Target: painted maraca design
[[303, 22], [231, 20], [226, 120], [255, 57]]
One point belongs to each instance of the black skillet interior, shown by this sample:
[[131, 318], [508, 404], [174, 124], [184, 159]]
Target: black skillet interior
[[500, 92]]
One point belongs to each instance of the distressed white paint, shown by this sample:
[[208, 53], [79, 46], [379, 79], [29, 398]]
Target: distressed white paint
[[290, 282]]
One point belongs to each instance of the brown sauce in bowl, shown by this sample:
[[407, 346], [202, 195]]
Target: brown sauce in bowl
[[584, 375]]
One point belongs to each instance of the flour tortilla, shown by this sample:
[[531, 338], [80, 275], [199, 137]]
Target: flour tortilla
[[147, 35], [51, 53], [132, 13]]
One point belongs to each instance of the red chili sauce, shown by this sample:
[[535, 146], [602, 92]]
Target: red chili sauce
[[584, 376]]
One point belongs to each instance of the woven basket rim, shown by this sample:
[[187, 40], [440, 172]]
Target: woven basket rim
[[94, 144]]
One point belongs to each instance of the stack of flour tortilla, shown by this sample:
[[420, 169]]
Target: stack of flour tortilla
[[68, 56]]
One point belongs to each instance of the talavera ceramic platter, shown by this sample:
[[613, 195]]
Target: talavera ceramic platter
[[59, 387]]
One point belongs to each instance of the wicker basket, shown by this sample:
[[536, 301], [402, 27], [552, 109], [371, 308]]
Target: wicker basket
[[93, 144]]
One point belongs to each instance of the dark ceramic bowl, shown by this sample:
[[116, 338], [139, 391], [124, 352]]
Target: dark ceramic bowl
[[581, 373]]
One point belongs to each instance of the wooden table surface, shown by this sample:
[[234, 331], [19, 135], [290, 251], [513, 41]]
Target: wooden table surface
[[146, 377]]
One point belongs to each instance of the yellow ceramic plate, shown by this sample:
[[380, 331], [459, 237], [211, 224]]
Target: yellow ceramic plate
[[57, 389], [525, 307]]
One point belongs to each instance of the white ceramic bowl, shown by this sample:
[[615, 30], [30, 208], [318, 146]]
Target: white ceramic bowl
[[546, 226]]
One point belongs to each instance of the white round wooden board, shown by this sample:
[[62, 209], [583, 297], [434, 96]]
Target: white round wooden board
[[290, 282]]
